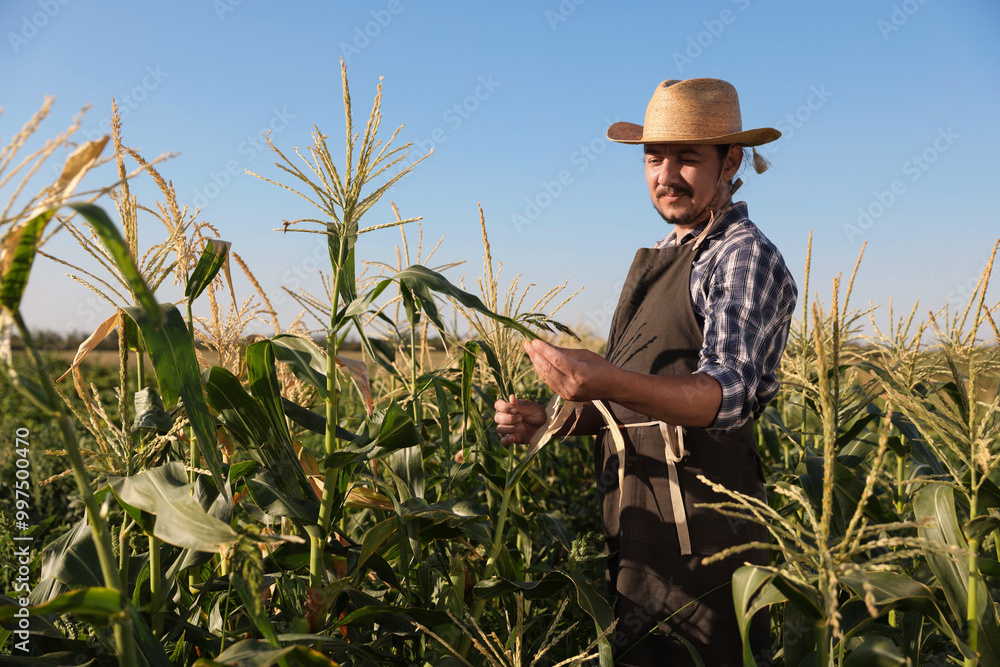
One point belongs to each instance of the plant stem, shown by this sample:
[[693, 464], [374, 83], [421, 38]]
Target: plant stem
[[155, 586], [822, 643], [972, 610], [193, 455], [972, 600], [900, 488], [318, 538], [98, 523]]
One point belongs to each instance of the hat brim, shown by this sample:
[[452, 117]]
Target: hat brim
[[630, 133]]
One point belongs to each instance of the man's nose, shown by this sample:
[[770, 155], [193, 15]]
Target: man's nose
[[669, 171]]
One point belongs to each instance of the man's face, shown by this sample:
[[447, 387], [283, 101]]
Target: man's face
[[685, 182]]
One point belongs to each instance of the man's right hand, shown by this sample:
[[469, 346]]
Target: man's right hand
[[518, 421]]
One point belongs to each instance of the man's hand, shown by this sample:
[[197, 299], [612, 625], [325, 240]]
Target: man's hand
[[518, 421], [582, 375], [574, 374]]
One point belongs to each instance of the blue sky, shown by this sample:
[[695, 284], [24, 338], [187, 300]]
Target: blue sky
[[888, 109]]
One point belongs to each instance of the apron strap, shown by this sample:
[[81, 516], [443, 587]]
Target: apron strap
[[673, 453]]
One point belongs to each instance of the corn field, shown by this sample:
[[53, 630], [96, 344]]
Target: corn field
[[270, 500]]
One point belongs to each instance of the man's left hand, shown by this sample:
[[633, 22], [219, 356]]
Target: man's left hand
[[574, 374]]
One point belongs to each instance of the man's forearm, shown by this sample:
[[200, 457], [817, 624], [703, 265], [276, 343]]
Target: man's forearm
[[683, 400]]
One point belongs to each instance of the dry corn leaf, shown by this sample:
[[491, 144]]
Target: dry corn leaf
[[556, 413], [76, 167], [93, 340]]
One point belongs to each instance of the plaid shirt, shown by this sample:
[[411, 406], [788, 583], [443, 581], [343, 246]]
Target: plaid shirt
[[745, 294]]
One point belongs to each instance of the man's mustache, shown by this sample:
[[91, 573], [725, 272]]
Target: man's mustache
[[672, 191]]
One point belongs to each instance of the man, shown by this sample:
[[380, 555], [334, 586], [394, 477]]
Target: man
[[694, 345]]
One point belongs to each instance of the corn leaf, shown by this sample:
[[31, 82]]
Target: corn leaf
[[248, 420], [935, 505], [17, 256], [172, 354], [96, 602], [180, 520], [256, 653], [149, 412], [69, 561], [306, 361], [102, 331], [416, 285], [214, 257], [751, 593]]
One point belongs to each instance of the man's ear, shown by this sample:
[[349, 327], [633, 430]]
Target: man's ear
[[733, 160]]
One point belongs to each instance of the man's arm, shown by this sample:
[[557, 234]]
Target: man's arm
[[580, 375]]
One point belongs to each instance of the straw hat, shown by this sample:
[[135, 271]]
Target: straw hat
[[695, 111]]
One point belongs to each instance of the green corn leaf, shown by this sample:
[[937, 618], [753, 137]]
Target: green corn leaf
[[97, 603], [935, 505], [751, 593], [798, 636], [876, 652], [22, 243], [264, 386], [417, 283], [180, 519], [305, 359], [270, 501], [805, 598], [982, 526], [421, 281], [256, 653], [212, 259], [247, 419], [69, 561], [171, 351]]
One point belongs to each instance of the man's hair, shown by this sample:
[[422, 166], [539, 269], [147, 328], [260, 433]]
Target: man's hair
[[723, 151]]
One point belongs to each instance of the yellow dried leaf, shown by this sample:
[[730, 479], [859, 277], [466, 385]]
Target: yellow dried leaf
[[93, 340]]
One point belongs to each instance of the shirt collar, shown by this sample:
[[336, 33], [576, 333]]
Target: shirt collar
[[737, 211]]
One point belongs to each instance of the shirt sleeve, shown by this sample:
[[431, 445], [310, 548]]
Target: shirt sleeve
[[749, 301]]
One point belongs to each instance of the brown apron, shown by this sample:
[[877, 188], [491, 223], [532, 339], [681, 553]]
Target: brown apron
[[656, 331]]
